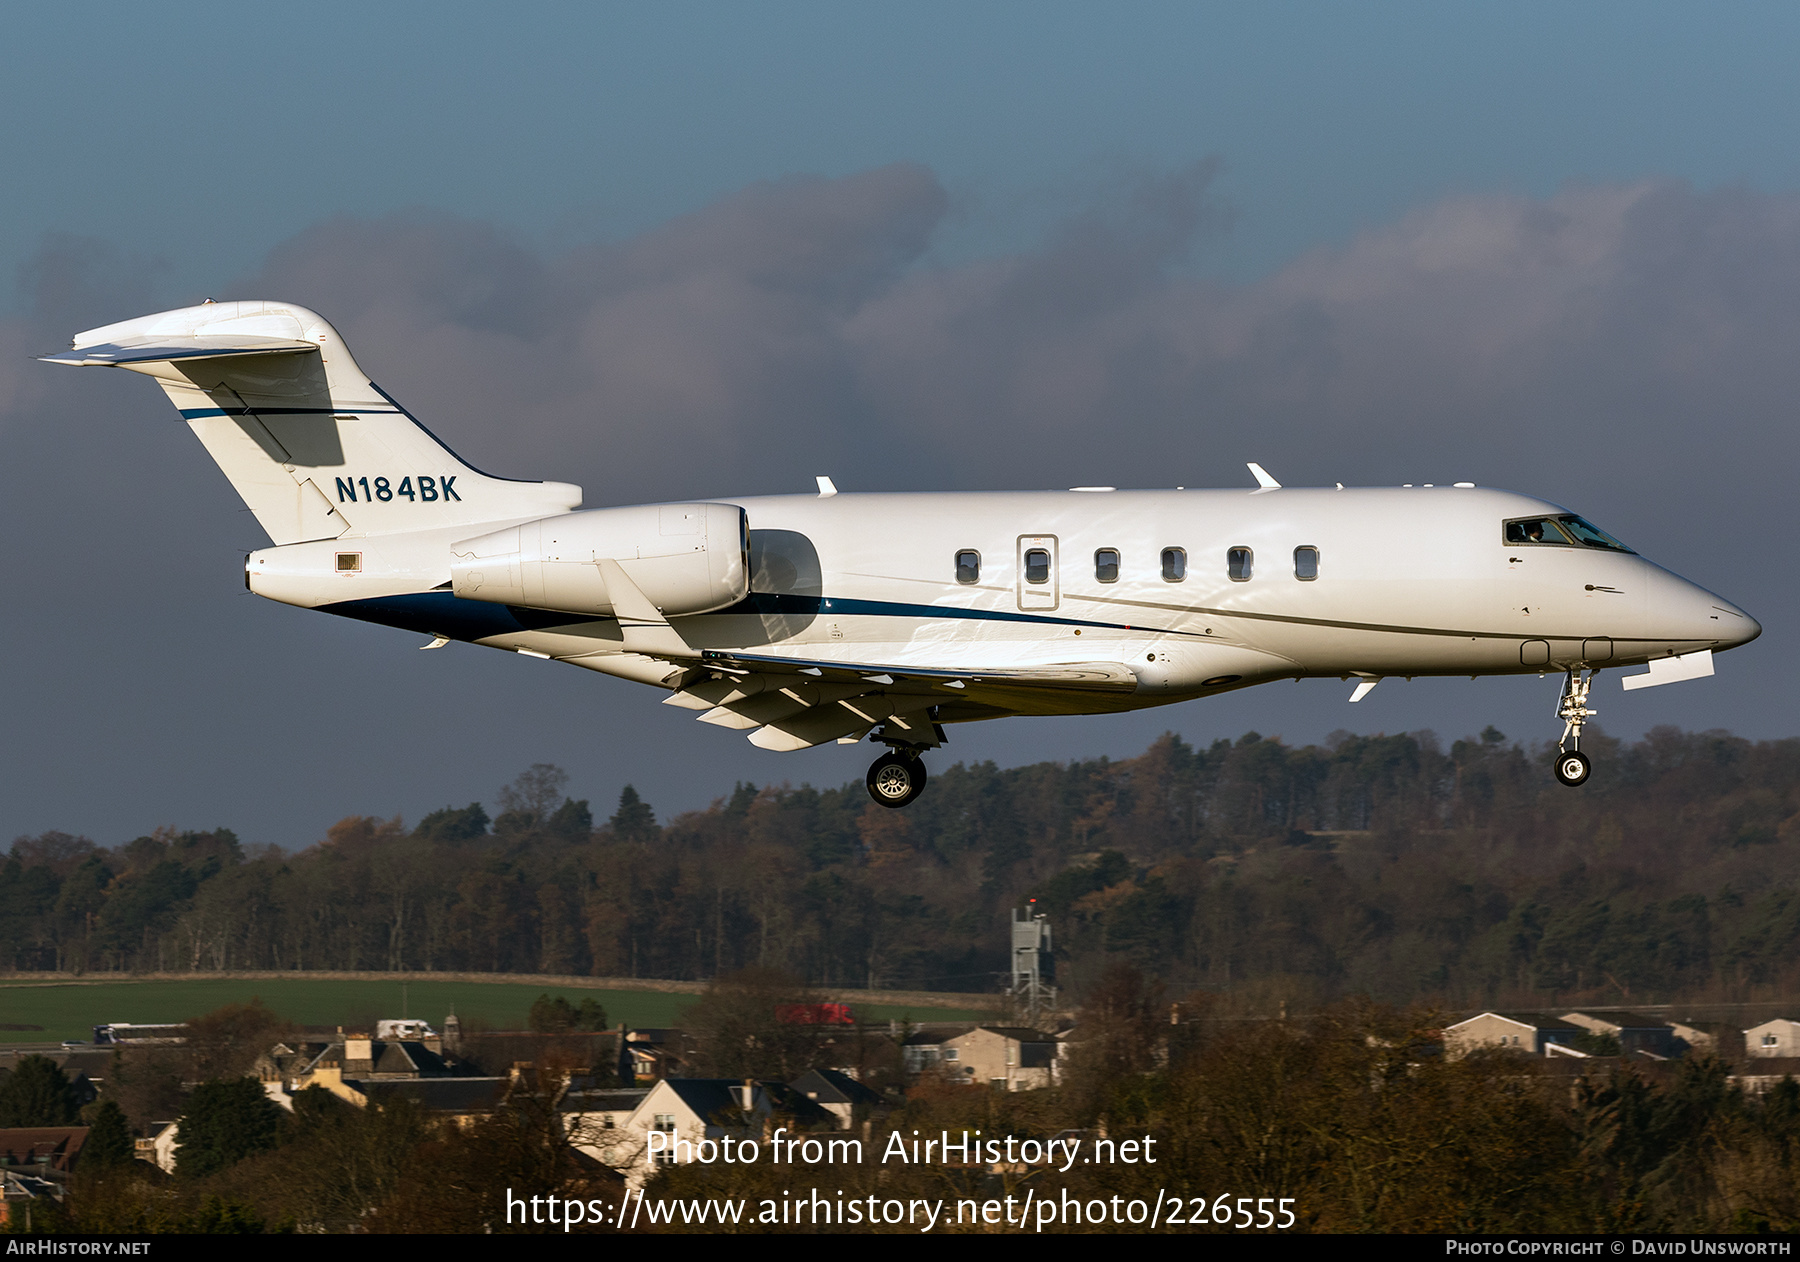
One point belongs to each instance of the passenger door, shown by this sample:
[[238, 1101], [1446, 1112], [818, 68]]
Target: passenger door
[[1038, 581]]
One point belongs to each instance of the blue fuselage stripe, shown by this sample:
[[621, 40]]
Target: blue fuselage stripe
[[445, 613]]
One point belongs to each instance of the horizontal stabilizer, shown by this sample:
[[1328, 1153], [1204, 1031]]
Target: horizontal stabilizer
[[1672, 670], [162, 350]]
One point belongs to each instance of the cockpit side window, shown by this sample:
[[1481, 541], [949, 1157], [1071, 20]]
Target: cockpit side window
[[1536, 530], [1562, 531]]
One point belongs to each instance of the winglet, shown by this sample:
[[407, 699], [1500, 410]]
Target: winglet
[[1263, 479]]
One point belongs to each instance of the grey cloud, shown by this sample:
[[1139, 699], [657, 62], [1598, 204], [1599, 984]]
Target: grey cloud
[[803, 321]]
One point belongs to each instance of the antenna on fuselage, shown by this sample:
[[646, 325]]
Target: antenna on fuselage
[[1263, 479]]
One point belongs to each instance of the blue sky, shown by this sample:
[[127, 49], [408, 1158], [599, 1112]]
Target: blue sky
[[1546, 246], [199, 135]]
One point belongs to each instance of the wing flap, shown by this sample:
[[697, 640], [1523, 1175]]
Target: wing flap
[[854, 716], [1100, 676]]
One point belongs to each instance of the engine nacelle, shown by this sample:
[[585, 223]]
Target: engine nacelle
[[686, 558]]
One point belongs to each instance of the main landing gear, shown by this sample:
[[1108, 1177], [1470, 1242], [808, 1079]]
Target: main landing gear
[[896, 778], [1572, 766]]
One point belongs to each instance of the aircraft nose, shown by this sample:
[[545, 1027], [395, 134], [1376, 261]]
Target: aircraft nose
[[1736, 627], [1719, 620]]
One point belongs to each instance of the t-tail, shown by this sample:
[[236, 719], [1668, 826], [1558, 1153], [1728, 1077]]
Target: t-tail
[[316, 449]]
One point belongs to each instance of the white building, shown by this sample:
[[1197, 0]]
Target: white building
[[1527, 1032], [1004, 1057], [1780, 1037], [679, 1112]]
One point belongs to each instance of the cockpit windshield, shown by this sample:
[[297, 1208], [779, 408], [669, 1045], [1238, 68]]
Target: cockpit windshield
[[1562, 531]]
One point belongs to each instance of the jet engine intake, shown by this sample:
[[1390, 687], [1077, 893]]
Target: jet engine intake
[[685, 558]]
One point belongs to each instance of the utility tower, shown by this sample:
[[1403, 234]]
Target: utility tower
[[1031, 962]]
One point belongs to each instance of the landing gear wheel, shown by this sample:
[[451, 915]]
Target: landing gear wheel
[[1572, 768], [896, 779]]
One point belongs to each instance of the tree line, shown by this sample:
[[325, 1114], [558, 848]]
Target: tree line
[[1389, 866]]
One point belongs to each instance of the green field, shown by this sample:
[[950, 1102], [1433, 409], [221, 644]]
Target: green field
[[70, 1010]]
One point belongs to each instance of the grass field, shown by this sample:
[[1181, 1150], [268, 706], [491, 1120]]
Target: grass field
[[70, 1010]]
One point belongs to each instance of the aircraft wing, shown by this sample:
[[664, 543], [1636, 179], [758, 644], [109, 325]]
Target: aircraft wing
[[794, 703], [1105, 676]]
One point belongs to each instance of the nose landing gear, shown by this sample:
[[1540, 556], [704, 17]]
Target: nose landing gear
[[896, 778], [1572, 766]]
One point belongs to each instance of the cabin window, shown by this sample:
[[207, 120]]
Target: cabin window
[[1037, 565], [1174, 564], [1106, 565], [1306, 564], [1237, 564], [968, 566]]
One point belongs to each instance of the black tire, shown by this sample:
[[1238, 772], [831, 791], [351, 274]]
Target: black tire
[[1573, 768], [896, 779]]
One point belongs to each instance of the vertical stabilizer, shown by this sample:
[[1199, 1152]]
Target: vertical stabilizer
[[314, 447]]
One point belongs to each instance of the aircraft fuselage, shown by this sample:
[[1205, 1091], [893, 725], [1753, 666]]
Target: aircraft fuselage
[[1359, 581]]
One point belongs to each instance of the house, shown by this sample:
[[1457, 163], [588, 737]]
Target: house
[[1527, 1032], [842, 1097], [680, 1112], [1638, 1035], [1004, 1057], [43, 1150], [359, 1069], [1719, 1038], [646, 1056], [330, 1061], [601, 1109], [158, 1148], [460, 1101], [1780, 1037], [35, 1164], [19, 1188], [1760, 1073]]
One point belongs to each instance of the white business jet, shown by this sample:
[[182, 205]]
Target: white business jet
[[804, 619]]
